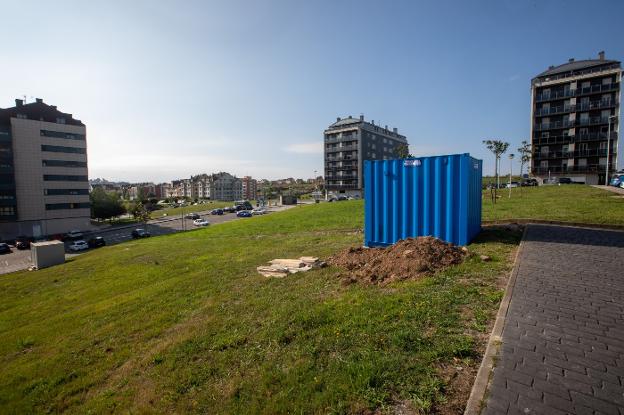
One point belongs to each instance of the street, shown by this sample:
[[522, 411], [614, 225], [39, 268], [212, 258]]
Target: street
[[19, 260]]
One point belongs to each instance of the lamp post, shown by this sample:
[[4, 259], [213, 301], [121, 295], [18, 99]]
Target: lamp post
[[608, 150], [511, 156]]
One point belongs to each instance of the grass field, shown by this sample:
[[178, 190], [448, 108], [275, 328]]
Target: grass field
[[190, 209], [569, 203], [183, 323]]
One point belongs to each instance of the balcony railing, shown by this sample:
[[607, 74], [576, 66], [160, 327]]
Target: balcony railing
[[336, 158], [606, 103], [340, 177], [590, 168], [592, 152], [576, 92], [570, 124], [345, 148], [563, 139], [341, 186]]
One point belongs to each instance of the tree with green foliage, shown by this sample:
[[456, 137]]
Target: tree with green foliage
[[525, 155], [498, 147], [105, 205], [402, 151], [140, 213]]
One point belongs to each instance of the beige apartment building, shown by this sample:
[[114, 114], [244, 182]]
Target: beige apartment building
[[44, 188]]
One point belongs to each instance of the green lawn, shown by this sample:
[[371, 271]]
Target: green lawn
[[183, 323], [569, 203], [190, 209]]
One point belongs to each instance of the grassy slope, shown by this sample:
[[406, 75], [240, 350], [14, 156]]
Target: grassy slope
[[571, 203], [183, 323]]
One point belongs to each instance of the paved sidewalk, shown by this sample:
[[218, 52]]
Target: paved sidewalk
[[563, 341], [612, 189]]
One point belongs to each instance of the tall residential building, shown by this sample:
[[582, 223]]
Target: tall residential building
[[574, 108], [44, 186], [250, 188], [350, 141], [224, 186]]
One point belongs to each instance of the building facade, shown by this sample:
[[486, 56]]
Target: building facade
[[249, 188], [44, 186], [575, 120], [347, 143], [224, 186]]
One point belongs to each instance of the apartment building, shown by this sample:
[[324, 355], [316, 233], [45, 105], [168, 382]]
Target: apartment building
[[249, 188], [575, 120], [44, 186], [350, 141], [224, 186]]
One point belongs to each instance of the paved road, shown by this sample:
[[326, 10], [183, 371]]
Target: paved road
[[19, 260], [563, 338]]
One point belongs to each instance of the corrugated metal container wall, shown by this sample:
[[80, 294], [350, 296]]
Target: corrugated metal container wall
[[438, 196]]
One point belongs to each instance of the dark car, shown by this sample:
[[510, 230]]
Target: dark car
[[244, 214], [22, 244], [96, 242], [239, 208], [192, 216], [5, 248], [216, 212], [565, 180], [529, 182], [140, 233], [229, 209]]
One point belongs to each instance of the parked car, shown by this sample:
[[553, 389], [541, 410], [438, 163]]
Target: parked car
[[79, 245], [244, 214], [617, 180], [229, 209], [565, 180], [201, 222], [512, 184], [140, 233], [529, 182], [5, 248], [192, 216], [22, 242], [73, 235], [96, 242], [216, 212], [258, 211]]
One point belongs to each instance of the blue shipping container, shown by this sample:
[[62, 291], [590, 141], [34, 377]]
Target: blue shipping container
[[428, 196]]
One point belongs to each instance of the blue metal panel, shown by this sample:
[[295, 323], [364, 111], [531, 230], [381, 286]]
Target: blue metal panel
[[438, 196]]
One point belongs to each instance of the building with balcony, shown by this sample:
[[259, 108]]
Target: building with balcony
[[347, 143], [44, 185], [575, 120], [250, 188]]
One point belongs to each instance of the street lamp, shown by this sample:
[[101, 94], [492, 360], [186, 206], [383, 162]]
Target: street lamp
[[511, 156], [608, 150]]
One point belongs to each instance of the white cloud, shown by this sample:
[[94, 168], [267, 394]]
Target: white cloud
[[315, 147]]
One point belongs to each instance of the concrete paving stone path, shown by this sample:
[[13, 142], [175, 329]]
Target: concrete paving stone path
[[562, 346]]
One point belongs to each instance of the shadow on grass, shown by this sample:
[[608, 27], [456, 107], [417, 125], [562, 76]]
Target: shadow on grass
[[509, 235]]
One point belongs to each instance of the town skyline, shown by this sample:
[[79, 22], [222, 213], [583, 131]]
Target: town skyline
[[167, 91]]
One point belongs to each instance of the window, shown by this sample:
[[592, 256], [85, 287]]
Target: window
[[58, 134], [602, 161], [56, 192], [22, 116], [61, 149], [545, 134], [7, 211], [59, 206], [65, 178], [63, 163], [544, 163], [60, 120]]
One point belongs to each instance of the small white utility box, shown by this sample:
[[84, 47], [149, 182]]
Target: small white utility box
[[48, 253]]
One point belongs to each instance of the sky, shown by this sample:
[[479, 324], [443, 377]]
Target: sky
[[168, 89]]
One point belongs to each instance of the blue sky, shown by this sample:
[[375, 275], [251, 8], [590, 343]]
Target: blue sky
[[173, 88]]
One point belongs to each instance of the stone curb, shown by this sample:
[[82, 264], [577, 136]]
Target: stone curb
[[552, 222], [479, 387]]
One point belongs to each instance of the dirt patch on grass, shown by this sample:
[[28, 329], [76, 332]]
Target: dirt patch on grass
[[407, 259]]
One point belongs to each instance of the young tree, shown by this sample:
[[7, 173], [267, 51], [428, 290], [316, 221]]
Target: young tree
[[140, 213], [402, 151], [499, 148], [525, 155]]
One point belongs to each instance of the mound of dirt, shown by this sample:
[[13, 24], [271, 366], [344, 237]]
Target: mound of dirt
[[407, 259]]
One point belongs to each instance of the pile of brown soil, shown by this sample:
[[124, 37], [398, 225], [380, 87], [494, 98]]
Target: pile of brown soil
[[407, 259]]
